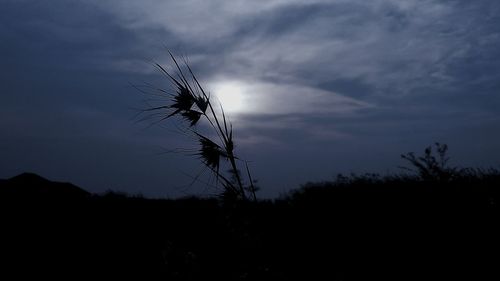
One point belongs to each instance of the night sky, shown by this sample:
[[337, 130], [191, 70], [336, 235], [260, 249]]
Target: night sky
[[313, 88]]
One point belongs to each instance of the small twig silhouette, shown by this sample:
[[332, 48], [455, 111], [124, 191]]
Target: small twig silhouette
[[430, 167]]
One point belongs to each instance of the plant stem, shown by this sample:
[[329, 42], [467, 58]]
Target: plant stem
[[225, 139]]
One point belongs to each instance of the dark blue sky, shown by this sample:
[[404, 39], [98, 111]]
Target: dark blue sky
[[325, 87]]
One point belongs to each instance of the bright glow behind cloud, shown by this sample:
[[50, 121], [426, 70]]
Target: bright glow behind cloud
[[255, 97], [232, 96]]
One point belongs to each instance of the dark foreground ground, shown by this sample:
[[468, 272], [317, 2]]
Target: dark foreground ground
[[360, 229]]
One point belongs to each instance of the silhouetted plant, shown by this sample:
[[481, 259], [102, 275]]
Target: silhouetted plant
[[430, 167], [229, 194], [192, 103]]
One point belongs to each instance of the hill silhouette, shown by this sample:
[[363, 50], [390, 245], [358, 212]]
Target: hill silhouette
[[354, 228], [29, 185]]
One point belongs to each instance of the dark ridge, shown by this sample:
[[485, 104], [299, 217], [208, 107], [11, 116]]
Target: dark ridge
[[33, 186], [355, 228]]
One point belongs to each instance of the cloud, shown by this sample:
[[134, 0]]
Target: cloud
[[394, 48], [337, 58], [283, 99], [192, 20]]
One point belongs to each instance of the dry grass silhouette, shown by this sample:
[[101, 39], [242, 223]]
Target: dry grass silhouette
[[190, 102]]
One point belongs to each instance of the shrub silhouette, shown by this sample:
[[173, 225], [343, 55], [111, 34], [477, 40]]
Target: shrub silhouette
[[358, 227], [431, 167], [192, 103]]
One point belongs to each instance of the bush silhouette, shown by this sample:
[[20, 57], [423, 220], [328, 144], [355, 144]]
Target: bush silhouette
[[358, 227], [431, 167]]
